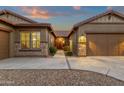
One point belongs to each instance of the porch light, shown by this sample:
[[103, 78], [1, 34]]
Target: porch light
[[82, 39], [34, 39]]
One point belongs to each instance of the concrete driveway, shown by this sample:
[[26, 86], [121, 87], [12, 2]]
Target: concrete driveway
[[110, 66], [33, 63], [56, 62]]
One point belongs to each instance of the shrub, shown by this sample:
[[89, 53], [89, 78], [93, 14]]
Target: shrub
[[69, 53], [52, 50], [66, 48]]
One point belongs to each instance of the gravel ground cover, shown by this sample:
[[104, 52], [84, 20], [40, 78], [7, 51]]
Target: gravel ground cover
[[56, 78]]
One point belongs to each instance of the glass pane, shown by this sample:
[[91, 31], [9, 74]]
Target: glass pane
[[35, 39], [25, 39]]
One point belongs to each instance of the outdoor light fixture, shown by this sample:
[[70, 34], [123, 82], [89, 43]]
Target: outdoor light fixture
[[34, 39], [82, 39]]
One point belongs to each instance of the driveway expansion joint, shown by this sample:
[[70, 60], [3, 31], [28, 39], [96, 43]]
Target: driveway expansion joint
[[68, 64], [108, 72]]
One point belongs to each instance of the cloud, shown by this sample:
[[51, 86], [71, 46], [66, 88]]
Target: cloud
[[76, 7], [36, 12], [40, 13]]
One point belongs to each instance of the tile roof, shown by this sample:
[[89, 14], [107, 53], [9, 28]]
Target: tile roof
[[61, 33]]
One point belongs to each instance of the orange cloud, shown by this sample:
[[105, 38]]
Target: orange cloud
[[36, 12], [77, 7], [40, 13]]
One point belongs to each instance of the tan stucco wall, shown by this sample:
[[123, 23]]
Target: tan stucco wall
[[51, 39], [73, 37], [101, 28], [44, 35], [12, 44]]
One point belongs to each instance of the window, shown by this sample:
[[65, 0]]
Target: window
[[25, 39], [35, 39], [30, 40]]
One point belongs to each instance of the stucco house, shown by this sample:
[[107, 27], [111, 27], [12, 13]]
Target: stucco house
[[20, 36], [101, 35]]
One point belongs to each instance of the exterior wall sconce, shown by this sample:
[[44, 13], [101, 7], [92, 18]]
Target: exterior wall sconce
[[82, 40]]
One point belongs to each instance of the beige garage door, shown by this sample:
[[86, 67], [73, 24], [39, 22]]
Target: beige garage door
[[4, 44], [105, 44]]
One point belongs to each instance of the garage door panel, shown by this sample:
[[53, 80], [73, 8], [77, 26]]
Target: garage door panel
[[101, 42], [113, 49], [4, 44], [91, 45], [105, 44], [121, 45], [95, 42]]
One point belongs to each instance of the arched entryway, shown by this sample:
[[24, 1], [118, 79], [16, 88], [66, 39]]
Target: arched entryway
[[60, 42]]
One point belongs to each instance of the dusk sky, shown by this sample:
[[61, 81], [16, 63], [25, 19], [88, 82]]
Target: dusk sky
[[61, 17]]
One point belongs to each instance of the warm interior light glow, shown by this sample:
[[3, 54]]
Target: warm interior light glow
[[34, 39], [82, 39], [60, 42], [82, 46]]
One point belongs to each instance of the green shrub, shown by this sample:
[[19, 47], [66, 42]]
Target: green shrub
[[66, 48], [52, 50], [69, 53]]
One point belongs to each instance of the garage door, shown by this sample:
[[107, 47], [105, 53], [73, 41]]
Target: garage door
[[4, 44], [105, 44]]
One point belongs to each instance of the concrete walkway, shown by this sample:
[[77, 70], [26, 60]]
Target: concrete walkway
[[59, 54], [110, 66]]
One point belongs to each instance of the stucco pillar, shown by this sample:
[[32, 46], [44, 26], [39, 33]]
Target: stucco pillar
[[17, 48], [11, 45], [44, 49]]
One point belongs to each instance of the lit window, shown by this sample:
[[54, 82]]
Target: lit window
[[25, 39], [35, 39], [30, 40]]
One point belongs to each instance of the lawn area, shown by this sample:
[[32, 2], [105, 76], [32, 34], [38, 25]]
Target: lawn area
[[56, 78]]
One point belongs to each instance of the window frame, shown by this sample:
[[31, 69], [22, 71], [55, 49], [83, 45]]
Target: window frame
[[30, 40]]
